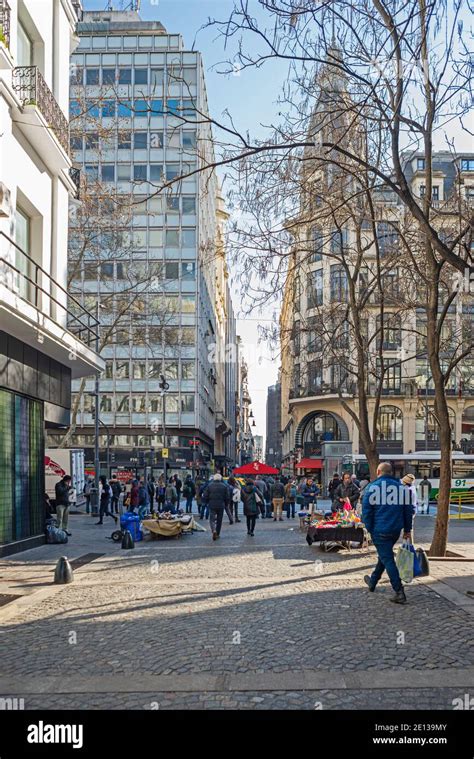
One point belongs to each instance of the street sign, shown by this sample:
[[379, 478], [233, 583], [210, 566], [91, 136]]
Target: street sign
[[194, 442], [165, 453]]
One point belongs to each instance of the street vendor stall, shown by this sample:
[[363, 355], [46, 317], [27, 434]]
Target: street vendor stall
[[171, 525], [339, 530]]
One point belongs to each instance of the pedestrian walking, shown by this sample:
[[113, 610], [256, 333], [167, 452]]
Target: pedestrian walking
[[347, 490], [63, 491], [87, 493], [290, 498], [216, 494], [278, 499], [425, 488], [105, 500], [386, 511], [189, 491], [264, 490], [233, 483], [250, 495], [116, 493]]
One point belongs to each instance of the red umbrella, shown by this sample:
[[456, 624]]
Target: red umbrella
[[256, 467]]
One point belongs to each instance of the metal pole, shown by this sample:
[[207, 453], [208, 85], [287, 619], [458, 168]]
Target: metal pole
[[96, 420], [165, 474], [426, 414]]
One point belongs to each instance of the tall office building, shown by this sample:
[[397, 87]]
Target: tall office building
[[135, 94], [39, 354]]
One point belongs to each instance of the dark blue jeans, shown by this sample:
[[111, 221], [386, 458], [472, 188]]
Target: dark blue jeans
[[288, 507], [189, 505], [203, 509], [384, 545]]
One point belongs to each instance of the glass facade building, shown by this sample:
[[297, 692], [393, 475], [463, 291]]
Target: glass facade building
[[135, 95]]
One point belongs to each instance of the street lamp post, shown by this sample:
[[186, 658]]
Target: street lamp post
[[164, 387]]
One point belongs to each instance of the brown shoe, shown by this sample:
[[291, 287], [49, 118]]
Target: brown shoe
[[214, 535]]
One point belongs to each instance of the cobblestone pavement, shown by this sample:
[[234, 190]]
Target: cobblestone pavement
[[176, 624]]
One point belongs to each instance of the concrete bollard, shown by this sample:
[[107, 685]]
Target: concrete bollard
[[127, 540], [63, 573]]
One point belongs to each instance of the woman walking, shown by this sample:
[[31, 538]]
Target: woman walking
[[232, 482], [250, 495]]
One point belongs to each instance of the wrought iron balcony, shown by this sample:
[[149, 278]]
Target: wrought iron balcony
[[22, 275], [5, 23], [32, 89]]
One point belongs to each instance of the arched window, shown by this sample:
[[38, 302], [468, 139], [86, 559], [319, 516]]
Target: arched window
[[390, 423], [429, 428], [467, 424], [321, 427]]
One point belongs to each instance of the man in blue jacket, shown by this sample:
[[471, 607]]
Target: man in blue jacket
[[386, 510]]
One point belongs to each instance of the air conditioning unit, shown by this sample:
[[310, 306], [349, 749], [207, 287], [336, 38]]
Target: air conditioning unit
[[5, 202]]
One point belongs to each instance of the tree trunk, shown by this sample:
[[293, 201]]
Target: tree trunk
[[440, 536]]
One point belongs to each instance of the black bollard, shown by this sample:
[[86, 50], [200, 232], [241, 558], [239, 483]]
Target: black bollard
[[63, 572], [127, 540]]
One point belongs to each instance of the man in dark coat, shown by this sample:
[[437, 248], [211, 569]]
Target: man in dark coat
[[347, 489], [217, 496]]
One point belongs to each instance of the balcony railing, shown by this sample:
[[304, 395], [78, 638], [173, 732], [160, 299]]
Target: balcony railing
[[5, 23], [32, 89], [32, 283]]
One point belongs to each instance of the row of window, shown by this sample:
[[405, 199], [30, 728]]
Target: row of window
[[138, 140], [130, 42], [155, 77], [139, 108], [137, 172], [139, 336], [387, 238], [140, 271], [467, 164], [143, 370], [163, 306], [124, 403], [131, 441]]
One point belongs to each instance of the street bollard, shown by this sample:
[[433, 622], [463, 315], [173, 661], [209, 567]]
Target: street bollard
[[127, 540], [63, 573]]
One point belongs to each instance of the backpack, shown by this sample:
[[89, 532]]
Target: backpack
[[187, 490], [293, 491]]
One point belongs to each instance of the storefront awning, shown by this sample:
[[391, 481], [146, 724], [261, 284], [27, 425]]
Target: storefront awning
[[309, 464]]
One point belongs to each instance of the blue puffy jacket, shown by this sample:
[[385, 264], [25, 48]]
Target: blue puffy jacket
[[387, 507]]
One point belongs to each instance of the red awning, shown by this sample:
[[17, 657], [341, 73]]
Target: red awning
[[310, 464], [256, 467]]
